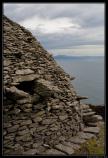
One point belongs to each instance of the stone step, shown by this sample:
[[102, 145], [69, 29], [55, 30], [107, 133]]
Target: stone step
[[81, 97], [74, 146], [30, 152], [92, 119], [66, 149], [77, 140], [86, 135], [92, 124], [84, 106], [94, 130], [88, 114], [53, 152], [86, 110], [97, 118]]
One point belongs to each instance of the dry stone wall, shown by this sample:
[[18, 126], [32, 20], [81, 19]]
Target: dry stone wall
[[40, 106]]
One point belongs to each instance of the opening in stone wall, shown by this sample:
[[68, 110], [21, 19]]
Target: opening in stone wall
[[27, 86]]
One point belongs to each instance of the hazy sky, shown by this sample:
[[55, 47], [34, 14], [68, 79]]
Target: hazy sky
[[66, 29]]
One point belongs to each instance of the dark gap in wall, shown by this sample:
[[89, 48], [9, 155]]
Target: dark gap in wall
[[27, 86]]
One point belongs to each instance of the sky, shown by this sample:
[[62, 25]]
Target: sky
[[73, 29]]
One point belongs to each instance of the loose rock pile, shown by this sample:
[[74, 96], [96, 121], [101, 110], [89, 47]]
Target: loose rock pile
[[41, 108]]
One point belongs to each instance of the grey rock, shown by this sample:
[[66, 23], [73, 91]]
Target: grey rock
[[55, 128], [26, 122], [94, 130], [77, 140], [6, 125], [24, 138], [85, 135], [74, 146], [84, 106], [24, 72], [86, 110], [30, 152], [97, 118], [23, 132], [37, 119], [45, 88], [40, 113], [6, 62], [48, 121], [16, 93], [88, 114], [53, 152], [92, 124], [67, 149], [24, 101], [63, 117], [13, 128], [36, 145], [30, 77]]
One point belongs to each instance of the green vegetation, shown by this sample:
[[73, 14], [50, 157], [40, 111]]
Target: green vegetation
[[94, 146]]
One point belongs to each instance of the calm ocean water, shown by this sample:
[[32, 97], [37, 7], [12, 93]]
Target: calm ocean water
[[89, 75]]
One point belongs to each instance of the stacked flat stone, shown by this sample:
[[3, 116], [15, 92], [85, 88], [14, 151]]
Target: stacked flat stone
[[90, 117], [40, 104]]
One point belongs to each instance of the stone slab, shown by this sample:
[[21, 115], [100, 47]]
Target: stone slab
[[85, 135], [67, 149], [53, 152], [94, 130], [30, 152], [77, 140], [24, 72], [88, 114], [74, 146], [92, 124]]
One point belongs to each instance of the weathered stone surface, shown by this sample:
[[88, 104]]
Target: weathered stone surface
[[48, 121], [24, 138], [94, 130], [86, 110], [77, 140], [55, 128], [16, 93], [67, 149], [45, 88], [13, 128], [24, 72], [5, 125], [91, 124], [37, 119], [88, 114], [40, 113], [30, 77], [74, 146], [24, 101], [84, 106], [23, 132], [85, 135], [6, 62], [26, 122], [30, 152], [53, 152], [63, 117], [37, 145], [96, 118]]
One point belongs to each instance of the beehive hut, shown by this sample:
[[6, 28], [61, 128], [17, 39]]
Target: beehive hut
[[40, 106]]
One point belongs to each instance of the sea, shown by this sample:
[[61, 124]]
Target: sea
[[89, 76]]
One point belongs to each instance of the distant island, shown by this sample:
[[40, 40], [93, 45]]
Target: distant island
[[77, 57]]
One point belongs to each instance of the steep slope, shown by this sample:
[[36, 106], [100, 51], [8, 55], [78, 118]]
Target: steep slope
[[41, 107]]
